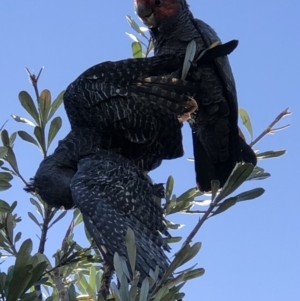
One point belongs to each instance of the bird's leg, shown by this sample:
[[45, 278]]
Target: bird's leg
[[106, 279]]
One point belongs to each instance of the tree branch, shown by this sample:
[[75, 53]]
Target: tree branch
[[270, 129], [105, 281], [199, 224]]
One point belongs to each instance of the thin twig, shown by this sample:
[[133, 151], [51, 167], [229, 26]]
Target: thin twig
[[18, 174], [148, 50], [199, 224], [65, 261], [49, 213], [34, 81], [270, 129]]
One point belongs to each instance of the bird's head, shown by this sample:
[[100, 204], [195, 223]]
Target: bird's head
[[52, 183], [157, 13]]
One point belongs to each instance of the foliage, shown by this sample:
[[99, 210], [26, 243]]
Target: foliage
[[76, 272]]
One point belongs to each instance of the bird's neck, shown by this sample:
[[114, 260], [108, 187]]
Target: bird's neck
[[175, 34]]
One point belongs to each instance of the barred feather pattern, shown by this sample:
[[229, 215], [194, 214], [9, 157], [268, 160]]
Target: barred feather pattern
[[130, 99], [113, 194]]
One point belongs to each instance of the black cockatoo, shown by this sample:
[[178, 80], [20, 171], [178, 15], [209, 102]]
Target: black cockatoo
[[217, 144], [85, 139], [112, 194], [133, 108], [92, 169]]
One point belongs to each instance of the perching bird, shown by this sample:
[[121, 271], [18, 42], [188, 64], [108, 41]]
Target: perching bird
[[134, 108], [110, 190], [217, 144], [55, 172], [112, 195]]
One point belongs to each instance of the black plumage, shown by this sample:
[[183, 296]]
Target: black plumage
[[217, 144], [121, 126], [113, 194], [133, 108]]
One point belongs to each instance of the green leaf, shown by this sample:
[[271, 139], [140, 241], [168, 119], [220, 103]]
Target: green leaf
[[169, 188], [179, 258], [37, 272], [170, 205], [135, 39], [259, 176], [118, 266], [13, 205], [115, 291], [136, 49], [124, 293], [239, 174], [225, 205], [98, 280], [173, 239], [34, 219], [44, 105], [131, 248], [134, 26], [32, 296], [3, 151], [4, 207], [12, 138], [215, 185], [28, 104], [187, 195], [22, 272], [5, 138], [85, 284], [144, 290], [19, 282], [11, 159], [56, 104], [246, 121], [17, 237], [54, 128], [22, 119], [92, 280], [10, 224], [162, 292], [28, 138], [37, 206], [193, 251], [62, 215], [270, 154], [194, 274], [250, 194], [38, 133], [4, 185], [6, 176], [77, 216], [72, 293], [189, 57]]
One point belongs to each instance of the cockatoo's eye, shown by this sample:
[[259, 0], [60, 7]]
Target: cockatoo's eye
[[157, 2]]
